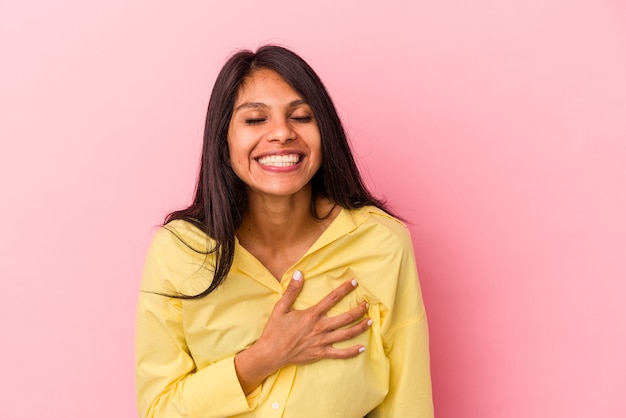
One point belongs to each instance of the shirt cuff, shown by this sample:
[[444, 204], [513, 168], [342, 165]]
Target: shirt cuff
[[217, 389]]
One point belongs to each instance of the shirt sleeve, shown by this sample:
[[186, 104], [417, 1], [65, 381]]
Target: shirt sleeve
[[406, 345], [168, 383]]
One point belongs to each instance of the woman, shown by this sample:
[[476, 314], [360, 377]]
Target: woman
[[285, 289]]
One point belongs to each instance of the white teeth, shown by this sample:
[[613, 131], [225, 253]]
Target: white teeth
[[279, 160]]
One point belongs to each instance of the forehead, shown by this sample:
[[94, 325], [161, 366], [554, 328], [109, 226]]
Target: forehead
[[263, 85]]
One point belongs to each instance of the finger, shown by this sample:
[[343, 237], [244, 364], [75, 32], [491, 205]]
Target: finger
[[335, 296], [346, 318], [291, 293], [344, 334], [343, 353]]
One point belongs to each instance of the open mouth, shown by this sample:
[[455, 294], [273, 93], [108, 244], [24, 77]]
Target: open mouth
[[279, 160]]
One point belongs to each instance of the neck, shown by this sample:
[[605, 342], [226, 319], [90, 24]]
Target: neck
[[281, 221]]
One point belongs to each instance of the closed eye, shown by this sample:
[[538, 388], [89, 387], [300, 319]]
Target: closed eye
[[254, 121], [302, 119]]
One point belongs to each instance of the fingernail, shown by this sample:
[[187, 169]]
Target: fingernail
[[367, 305], [370, 322], [297, 275], [354, 283], [362, 349]]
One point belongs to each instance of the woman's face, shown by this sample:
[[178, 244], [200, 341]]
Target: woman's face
[[273, 137]]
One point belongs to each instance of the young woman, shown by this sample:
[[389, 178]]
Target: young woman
[[285, 289]]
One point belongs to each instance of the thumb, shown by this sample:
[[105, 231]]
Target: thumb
[[291, 293]]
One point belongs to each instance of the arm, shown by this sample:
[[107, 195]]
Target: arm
[[410, 394], [168, 383], [405, 341]]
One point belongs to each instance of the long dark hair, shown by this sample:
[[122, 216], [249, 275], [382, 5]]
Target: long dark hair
[[221, 198]]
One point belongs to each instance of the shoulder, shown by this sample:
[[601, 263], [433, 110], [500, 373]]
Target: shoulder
[[383, 226], [183, 235], [179, 254]]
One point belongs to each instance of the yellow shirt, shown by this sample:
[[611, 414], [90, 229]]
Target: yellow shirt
[[185, 348]]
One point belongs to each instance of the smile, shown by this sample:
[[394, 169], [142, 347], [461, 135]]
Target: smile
[[279, 160]]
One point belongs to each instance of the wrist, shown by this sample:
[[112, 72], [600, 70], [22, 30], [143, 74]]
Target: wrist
[[253, 365]]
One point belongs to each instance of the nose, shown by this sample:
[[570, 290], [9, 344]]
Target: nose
[[280, 130]]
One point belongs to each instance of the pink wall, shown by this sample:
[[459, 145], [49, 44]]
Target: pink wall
[[497, 128]]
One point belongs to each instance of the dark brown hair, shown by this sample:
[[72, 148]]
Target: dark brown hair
[[221, 197]]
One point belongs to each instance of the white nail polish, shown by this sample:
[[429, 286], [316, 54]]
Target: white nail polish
[[370, 322], [354, 283], [297, 275], [362, 349]]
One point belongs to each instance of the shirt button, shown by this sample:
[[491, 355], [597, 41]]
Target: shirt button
[[275, 405]]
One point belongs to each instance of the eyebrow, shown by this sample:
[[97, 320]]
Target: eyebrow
[[257, 105]]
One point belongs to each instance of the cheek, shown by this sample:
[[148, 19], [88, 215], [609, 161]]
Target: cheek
[[233, 154], [238, 162]]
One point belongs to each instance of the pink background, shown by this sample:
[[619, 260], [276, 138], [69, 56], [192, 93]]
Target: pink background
[[498, 128]]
